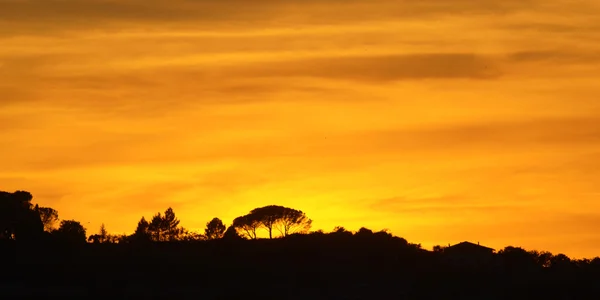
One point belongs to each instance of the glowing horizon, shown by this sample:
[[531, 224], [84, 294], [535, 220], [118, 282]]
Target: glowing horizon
[[443, 122]]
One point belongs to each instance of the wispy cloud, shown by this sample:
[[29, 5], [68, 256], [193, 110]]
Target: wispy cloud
[[383, 68], [90, 12]]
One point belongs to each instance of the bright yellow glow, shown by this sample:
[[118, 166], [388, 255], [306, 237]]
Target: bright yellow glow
[[443, 121]]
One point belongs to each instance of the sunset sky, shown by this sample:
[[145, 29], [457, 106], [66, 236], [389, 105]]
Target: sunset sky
[[441, 120]]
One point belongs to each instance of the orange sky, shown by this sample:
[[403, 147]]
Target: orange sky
[[443, 121]]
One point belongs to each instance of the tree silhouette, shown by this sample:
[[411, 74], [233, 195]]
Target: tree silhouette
[[10, 211], [171, 225], [94, 238], [416, 246], [248, 225], [214, 229], [18, 220], [103, 233], [517, 258], [268, 216], [22, 198], [285, 220], [383, 234], [155, 228], [292, 221], [70, 231], [560, 261], [48, 216], [231, 234], [365, 232], [165, 227], [141, 231], [542, 259], [101, 237]]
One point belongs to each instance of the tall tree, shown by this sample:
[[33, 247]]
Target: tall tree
[[103, 233], [171, 225], [155, 228], [49, 217], [102, 236], [215, 229], [141, 233], [142, 228], [164, 227]]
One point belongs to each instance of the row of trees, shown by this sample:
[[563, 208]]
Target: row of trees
[[165, 227], [21, 220]]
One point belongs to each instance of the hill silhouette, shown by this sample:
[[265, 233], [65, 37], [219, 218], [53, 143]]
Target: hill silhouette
[[161, 260]]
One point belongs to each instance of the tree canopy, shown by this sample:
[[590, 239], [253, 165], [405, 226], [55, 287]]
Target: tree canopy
[[18, 219], [71, 231], [247, 225], [162, 228], [215, 229], [49, 217], [283, 219]]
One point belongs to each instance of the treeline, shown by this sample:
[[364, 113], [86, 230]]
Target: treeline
[[163, 260], [21, 220]]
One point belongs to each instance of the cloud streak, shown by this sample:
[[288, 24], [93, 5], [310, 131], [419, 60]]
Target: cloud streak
[[161, 10], [384, 67]]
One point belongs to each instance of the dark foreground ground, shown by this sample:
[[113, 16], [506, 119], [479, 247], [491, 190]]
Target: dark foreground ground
[[285, 269]]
